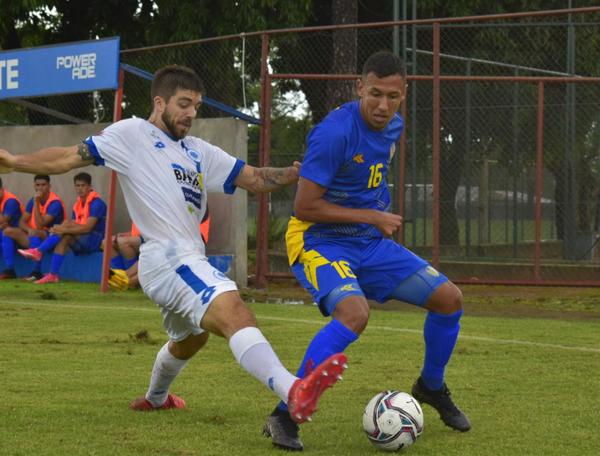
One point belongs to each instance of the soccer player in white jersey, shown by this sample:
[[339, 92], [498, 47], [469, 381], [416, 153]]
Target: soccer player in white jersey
[[165, 176]]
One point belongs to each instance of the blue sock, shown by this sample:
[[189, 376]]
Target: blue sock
[[8, 252], [128, 263], [34, 243], [440, 334], [49, 243], [56, 263], [333, 338], [117, 262]]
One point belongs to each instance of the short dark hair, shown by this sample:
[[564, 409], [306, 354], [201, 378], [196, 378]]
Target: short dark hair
[[83, 177], [384, 63], [41, 177], [0, 182], [172, 77]]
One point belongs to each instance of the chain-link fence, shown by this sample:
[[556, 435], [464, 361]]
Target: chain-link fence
[[495, 183], [498, 176]]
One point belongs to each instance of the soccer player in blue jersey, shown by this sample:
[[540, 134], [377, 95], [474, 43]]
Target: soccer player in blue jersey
[[339, 247], [44, 210], [82, 234]]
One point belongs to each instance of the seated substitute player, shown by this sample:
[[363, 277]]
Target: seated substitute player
[[42, 212], [10, 213], [83, 234], [338, 243], [123, 274], [165, 176]]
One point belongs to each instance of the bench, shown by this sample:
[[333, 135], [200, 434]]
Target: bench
[[88, 268]]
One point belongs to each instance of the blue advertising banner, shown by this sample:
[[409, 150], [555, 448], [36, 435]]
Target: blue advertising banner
[[83, 66]]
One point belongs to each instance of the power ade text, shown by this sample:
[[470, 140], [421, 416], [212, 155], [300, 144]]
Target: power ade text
[[82, 66]]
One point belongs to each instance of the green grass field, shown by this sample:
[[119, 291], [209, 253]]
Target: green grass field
[[526, 370]]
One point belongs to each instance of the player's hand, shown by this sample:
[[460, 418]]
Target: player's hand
[[118, 280], [386, 222], [57, 229], [292, 173], [7, 161]]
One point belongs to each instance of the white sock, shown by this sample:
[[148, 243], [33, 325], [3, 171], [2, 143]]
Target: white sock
[[255, 354], [166, 367]]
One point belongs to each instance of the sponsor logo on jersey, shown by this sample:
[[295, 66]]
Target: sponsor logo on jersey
[[192, 197], [358, 158], [186, 176], [191, 185]]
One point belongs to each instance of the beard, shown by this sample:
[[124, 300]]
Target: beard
[[171, 125]]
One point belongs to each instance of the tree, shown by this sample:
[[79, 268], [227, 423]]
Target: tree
[[147, 22]]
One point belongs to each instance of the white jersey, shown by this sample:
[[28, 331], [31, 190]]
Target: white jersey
[[165, 182]]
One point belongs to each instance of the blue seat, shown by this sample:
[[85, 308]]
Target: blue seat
[[88, 268]]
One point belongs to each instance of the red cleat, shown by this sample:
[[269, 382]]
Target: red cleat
[[141, 404], [305, 392], [48, 278], [32, 254]]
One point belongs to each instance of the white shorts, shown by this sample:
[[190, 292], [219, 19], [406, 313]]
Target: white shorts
[[183, 285]]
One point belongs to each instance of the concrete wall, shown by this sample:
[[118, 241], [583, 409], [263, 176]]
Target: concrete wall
[[228, 234]]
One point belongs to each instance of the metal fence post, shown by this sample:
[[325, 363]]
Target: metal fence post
[[112, 188], [262, 216], [435, 251], [539, 176]]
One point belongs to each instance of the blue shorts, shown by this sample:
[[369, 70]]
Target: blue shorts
[[87, 243], [374, 266]]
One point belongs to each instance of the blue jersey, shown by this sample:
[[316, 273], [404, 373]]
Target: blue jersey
[[12, 209], [351, 160]]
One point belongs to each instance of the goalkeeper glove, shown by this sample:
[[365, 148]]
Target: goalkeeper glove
[[118, 280]]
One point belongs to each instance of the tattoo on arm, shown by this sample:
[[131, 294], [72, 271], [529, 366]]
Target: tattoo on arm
[[270, 179], [83, 151]]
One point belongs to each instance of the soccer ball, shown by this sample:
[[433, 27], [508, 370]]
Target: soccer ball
[[393, 420]]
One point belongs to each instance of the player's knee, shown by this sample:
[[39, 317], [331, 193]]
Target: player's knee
[[10, 232], [447, 299], [227, 314], [353, 313]]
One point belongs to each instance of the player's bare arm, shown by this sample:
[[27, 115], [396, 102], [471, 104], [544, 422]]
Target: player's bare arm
[[36, 211], [52, 160], [310, 206], [264, 180], [24, 221], [70, 227]]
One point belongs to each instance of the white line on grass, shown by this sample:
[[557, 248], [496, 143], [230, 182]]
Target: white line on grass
[[320, 323], [462, 336]]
